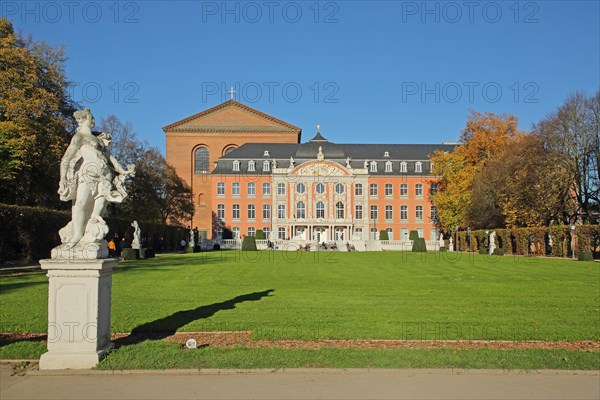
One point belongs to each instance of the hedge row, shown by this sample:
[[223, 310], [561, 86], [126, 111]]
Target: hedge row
[[29, 233], [551, 241]]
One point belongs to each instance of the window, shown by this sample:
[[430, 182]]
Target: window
[[236, 165], [373, 233], [267, 232], [266, 211], [403, 166], [373, 190], [434, 235], [281, 233], [339, 188], [236, 232], [228, 150], [419, 213], [251, 189], [220, 188], [235, 189], [389, 213], [358, 233], [266, 189], [281, 189], [418, 166], [339, 209], [404, 213], [266, 153], [388, 166], [266, 166], [386, 154], [358, 189], [251, 211], [235, 211], [389, 190], [300, 188], [202, 200], [320, 210], [358, 211], [390, 232], [419, 190], [404, 189], [373, 167], [433, 189], [434, 214], [420, 232], [281, 211], [221, 211], [251, 231], [251, 166], [320, 188], [300, 210], [404, 234], [374, 212], [201, 161]]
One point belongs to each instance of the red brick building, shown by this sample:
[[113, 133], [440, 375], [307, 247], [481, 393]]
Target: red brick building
[[249, 171]]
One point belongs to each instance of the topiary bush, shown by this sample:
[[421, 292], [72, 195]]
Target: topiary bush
[[418, 242], [585, 256], [260, 235], [130, 254], [443, 249], [498, 251], [413, 235], [483, 250], [148, 252], [383, 235], [249, 244]]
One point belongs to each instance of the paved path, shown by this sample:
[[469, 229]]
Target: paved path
[[301, 384]]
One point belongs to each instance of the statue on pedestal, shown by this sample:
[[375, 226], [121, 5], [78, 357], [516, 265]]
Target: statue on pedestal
[[192, 242], [348, 159], [91, 178], [492, 242], [320, 155]]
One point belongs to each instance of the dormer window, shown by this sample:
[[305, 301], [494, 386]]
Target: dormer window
[[251, 165], [236, 165], [388, 166], [431, 166], [373, 167], [418, 166], [403, 166], [266, 153], [266, 166], [386, 154]]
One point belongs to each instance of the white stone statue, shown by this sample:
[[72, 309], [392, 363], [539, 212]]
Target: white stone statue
[[451, 246], [91, 178], [274, 164], [292, 162], [492, 242], [441, 239], [348, 159], [320, 155], [192, 239], [136, 243]]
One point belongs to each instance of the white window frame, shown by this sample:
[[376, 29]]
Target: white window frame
[[373, 166], [251, 166], [235, 210], [266, 185], [251, 189], [220, 188], [235, 188], [251, 212], [236, 165], [266, 166], [388, 166], [418, 166], [403, 166]]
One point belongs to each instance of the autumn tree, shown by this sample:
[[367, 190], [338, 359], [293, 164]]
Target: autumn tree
[[36, 118], [573, 131], [484, 138]]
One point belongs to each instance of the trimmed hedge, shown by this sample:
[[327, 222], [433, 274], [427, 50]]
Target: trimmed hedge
[[249, 244], [29, 233], [585, 256], [419, 245], [260, 235], [383, 235], [130, 254]]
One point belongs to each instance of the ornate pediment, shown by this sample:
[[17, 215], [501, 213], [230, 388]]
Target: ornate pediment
[[320, 168]]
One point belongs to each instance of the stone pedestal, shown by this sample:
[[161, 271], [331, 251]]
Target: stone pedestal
[[79, 299]]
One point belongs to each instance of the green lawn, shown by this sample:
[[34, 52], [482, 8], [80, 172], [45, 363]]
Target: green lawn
[[308, 295]]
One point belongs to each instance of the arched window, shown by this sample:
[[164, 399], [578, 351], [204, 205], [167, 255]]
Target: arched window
[[320, 210], [202, 200], [228, 150], [339, 209], [418, 166], [300, 210], [201, 161]]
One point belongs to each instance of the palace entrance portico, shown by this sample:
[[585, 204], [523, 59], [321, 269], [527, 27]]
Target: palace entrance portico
[[321, 233]]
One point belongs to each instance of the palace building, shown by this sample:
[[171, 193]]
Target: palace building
[[249, 171]]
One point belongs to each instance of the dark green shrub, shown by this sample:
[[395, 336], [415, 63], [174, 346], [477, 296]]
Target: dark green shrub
[[498, 251], [147, 252], [383, 235], [260, 235], [443, 249], [483, 250], [216, 246], [585, 256], [419, 245], [413, 235], [130, 254], [249, 244]]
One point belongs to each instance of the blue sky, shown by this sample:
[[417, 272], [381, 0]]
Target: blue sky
[[367, 72]]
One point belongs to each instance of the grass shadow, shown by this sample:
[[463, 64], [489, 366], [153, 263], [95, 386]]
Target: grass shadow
[[167, 326]]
